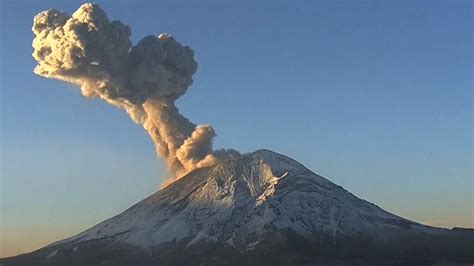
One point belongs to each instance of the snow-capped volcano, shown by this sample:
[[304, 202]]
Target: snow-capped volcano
[[237, 202], [261, 203]]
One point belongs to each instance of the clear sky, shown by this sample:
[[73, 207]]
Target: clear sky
[[375, 97]]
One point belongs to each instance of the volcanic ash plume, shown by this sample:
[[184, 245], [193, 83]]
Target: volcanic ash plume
[[96, 54]]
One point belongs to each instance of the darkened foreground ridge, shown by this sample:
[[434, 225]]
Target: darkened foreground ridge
[[261, 209]]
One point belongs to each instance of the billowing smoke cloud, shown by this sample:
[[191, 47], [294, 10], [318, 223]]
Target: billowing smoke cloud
[[96, 54]]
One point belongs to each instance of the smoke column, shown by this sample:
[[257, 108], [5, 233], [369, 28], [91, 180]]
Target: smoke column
[[88, 50]]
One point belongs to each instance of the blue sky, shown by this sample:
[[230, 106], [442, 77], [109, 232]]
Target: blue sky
[[375, 97]]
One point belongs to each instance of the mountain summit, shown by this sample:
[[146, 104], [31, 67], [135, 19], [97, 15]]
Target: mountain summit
[[260, 209]]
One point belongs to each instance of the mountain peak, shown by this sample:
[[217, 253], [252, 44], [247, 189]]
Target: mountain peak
[[239, 202], [259, 200]]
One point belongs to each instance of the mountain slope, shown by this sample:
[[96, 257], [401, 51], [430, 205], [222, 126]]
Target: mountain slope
[[257, 207]]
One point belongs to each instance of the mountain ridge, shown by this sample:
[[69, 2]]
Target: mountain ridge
[[260, 203]]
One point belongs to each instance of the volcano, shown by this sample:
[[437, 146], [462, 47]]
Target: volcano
[[260, 209]]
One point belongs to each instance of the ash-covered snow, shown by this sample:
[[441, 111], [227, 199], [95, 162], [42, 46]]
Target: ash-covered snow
[[237, 202]]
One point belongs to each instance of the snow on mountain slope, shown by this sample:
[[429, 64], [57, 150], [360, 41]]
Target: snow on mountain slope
[[238, 202]]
